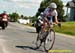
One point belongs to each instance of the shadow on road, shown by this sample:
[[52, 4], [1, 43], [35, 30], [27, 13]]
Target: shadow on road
[[26, 47], [0, 28], [29, 47]]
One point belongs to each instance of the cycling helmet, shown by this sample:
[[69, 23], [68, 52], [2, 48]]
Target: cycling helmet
[[53, 5]]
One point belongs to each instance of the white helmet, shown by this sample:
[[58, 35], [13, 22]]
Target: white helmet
[[53, 5]]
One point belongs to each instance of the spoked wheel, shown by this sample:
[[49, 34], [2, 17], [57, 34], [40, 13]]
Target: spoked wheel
[[39, 40], [38, 44], [49, 41]]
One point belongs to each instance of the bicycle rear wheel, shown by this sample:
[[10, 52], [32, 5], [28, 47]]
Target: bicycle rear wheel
[[39, 40], [49, 41]]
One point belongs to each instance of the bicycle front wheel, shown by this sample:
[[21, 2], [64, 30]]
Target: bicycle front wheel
[[49, 41]]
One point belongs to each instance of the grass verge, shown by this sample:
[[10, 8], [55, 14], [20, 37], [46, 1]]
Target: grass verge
[[66, 28]]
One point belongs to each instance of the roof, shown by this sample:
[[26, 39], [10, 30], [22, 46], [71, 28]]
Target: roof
[[70, 4]]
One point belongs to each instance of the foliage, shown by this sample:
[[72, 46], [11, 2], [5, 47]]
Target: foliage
[[14, 16], [25, 17], [33, 19], [65, 18]]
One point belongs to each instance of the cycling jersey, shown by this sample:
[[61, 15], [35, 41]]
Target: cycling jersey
[[50, 13]]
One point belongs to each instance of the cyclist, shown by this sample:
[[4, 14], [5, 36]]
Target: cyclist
[[49, 13]]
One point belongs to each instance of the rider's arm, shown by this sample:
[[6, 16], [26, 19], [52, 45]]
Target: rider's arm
[[56, 20], [55, 14], [46, 11]]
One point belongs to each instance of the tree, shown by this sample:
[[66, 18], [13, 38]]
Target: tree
[[14, 16], [32, 19], [45, 3], [26, 17], [42, 7]]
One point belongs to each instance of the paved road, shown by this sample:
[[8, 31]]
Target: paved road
[[18, 38]]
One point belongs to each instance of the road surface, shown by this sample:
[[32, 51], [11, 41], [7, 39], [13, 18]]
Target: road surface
[[18, 38]]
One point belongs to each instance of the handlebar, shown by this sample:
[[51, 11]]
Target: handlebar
[[58, 24]]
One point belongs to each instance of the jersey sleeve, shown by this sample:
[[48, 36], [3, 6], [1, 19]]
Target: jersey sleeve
[[55, 13], [46, 11]]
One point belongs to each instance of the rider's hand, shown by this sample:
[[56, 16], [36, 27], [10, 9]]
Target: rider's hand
[[59, 24], [55, 23]]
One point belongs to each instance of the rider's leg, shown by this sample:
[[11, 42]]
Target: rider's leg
[[44, 25]]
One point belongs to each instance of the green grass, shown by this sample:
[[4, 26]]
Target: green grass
[[66, 28]]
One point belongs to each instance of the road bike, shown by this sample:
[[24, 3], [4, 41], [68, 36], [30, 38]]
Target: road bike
[[47, 37]]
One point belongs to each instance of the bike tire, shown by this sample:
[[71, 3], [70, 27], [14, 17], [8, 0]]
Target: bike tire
[[3, 25], [45, 44], [38, 40]]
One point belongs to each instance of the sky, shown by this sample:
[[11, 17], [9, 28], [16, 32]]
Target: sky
[[25, 7]]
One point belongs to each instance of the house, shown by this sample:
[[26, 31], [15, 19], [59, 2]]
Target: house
[[71, 5], [24, 21]]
